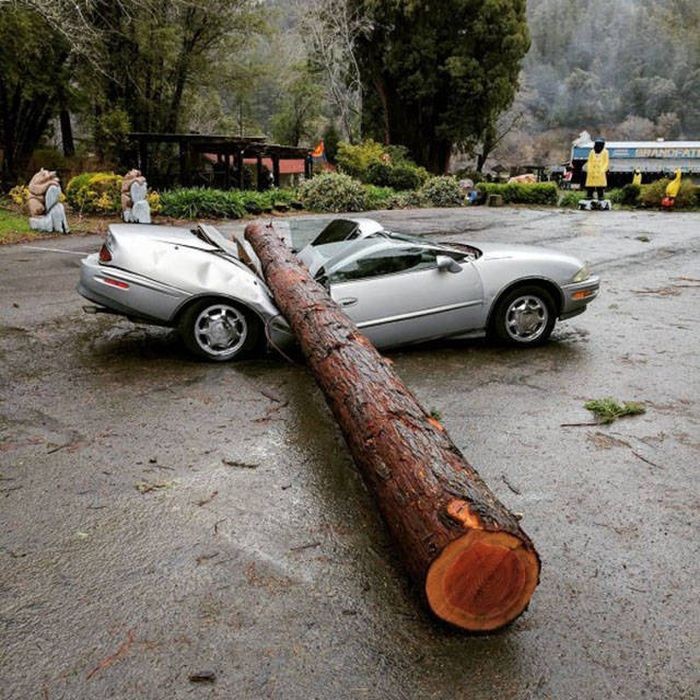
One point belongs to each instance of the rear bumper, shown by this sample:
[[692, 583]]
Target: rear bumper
[[577, 296], [126, 293]]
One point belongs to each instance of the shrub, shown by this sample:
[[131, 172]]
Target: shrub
[[523, 193], [630, 194], [332, 192], [19, 195], [406, 176], [201, 202], [380, 197], [654, 192], [355, 159], [378, 174], [571, 198], [154, 202], [401, 176], [414, 199], [95, 193], [206, 203], [384, 166], [442, 191], [614, 195]]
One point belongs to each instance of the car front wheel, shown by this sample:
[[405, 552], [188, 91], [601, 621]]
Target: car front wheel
[[525, 316], [219, 330]]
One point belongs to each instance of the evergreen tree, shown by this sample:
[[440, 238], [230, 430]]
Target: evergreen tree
[[438, 75]]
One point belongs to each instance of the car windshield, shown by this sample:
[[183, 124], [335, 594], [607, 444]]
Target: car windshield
[[405, 237], [336, 231]]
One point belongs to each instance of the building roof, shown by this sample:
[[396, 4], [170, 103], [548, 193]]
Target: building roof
[[643, 144], [214, 143]]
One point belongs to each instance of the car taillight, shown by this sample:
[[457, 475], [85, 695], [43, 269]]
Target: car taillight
[[105, 254], [115, 283]]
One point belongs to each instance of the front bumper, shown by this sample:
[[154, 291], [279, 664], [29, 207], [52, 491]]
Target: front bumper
[[577, 296]]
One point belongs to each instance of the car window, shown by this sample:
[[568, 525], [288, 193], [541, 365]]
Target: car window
[[386, 261], [338, 230]]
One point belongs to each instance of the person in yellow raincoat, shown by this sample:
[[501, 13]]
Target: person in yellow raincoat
[[597, 169], [637, 179]]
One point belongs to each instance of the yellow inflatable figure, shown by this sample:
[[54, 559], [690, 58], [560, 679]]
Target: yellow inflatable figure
[[596, 169], [674, 186], [637, 179]]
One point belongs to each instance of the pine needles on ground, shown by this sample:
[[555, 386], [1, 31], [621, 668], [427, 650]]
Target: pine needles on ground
[[608, 410]]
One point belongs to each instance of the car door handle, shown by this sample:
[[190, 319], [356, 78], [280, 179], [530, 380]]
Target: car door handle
[[348, 301]]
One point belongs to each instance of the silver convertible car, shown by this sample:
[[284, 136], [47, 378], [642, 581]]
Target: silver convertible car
[[398, 289]]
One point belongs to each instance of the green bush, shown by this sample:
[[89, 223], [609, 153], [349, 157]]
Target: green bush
[[380, 197], [398, 176], [523, 192], [95, 193], [333, 192], [630, 194], [614, 195], [384, 166], [407, 176], [571, 198], [355, 159], [378, 174], [654, 192], [442, 191], [205, 203], [201, 202]]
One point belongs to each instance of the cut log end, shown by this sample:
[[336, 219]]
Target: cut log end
[[482, 580]]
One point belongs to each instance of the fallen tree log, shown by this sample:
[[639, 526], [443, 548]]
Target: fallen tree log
[[478, 569]]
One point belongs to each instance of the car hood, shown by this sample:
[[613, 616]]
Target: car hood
[[499, 251]]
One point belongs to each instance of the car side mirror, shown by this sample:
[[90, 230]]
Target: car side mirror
[[447, 264]]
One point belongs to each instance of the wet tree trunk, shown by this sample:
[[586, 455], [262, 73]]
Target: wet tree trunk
[[478, 569]]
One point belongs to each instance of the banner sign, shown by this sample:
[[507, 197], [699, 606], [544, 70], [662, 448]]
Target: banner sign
[[581, 152]]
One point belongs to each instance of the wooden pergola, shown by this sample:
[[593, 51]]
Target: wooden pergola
[[230, 152]]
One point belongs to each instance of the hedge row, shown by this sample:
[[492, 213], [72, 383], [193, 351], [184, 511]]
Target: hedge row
[[523, 193], [648, 196], [99, 193], [205, 203], [336, 192]]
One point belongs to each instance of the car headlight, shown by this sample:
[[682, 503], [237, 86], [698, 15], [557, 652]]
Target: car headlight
[[583, 274]]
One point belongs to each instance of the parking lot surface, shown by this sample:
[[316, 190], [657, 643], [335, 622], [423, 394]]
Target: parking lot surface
[[163, 518]]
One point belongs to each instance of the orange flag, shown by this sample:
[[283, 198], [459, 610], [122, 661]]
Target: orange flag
[[319, 151]]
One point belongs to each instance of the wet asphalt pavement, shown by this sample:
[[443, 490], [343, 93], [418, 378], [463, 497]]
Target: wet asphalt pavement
[[162, 517]]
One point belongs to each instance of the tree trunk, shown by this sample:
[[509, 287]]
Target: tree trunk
[[466, 551], [67, 133]]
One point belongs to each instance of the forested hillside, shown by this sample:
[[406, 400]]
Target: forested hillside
[[298, 70], [628, 69]]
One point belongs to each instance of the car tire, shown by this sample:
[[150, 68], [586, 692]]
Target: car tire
[[524, 316], [219, 330]]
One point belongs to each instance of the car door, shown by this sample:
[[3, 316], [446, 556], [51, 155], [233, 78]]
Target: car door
[[397, 294]]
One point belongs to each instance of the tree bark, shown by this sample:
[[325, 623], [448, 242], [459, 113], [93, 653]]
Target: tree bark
[[67, 133], [477, 568]]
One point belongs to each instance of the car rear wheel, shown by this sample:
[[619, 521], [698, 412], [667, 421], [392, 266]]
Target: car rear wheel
[[219, 330], [525, 316]]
